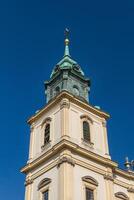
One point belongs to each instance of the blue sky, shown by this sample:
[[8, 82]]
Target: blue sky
[[31, 43]]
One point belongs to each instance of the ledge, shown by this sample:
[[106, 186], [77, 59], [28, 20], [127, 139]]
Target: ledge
[[71, 98], [65, 144]]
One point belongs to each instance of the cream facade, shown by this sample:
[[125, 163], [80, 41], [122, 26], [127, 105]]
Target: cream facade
[[69, 153], [68, 161]]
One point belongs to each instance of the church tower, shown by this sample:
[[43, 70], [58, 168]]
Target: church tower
[[69, 154]]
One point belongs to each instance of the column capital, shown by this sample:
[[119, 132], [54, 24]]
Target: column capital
[[28, 181], [108, 177], [130, 189], [104, 123], [64, 103], [66, 159]]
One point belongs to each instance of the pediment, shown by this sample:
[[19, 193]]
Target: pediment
[[121, 195]]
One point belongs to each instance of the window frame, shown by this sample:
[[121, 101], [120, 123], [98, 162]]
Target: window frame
[[57, 90], [90, 123], [43, 127], [47, 135], [88, 189], [86, 136], [43, 192], [87, 185], [44, 185]]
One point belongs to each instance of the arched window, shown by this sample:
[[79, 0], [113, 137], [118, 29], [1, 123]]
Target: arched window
[[90, 185], [86, 131], [43, 188], [89, 194], [47, 134], [57, 90]]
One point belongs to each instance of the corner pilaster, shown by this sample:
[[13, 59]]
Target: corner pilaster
[[64, 107], [104, 124], [131, 193], [109, 182], [65, 167], [28, 186], [31, 142]]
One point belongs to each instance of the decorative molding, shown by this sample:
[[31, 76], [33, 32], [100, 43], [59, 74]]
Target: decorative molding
[[32, 126], [28, 181], [46, 120], [130, 189], [90, 180], [66, 159], [104, 123], [64, 143], [121, 195], [65, 94], [86, 117], [109, 177], [46, 146], [87, 143], [44, 182], [64, 103]]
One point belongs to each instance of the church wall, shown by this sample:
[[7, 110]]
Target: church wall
[[37, 131], [92, 164], [79, 188], [96, 129], [118, 188], [53, 187]]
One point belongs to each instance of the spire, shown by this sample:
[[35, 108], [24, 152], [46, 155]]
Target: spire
[[66, 53]]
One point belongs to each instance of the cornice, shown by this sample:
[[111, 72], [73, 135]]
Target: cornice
[[71, 98], [125, 174], [66, 144]]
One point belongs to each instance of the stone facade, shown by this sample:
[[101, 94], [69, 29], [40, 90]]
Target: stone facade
[[67, 165]]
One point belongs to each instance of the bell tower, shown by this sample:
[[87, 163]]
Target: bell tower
[[69, 154], [68, 76]]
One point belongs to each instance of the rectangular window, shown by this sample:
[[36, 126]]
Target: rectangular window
[[45, 195], [89, 194]]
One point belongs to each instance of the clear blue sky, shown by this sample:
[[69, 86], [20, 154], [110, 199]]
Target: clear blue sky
[[31, 43]]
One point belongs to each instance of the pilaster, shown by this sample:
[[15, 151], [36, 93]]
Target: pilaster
[[104, 123], [28, 188], [64, 107], [108, 177], [31, 142], [65, 166], [131, 193]]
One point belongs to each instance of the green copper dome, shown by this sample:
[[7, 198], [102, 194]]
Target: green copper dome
[[67, 63], [67, 75]]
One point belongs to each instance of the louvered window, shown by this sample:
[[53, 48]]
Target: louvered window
[[57, 90], [47, 134], [45, 195], [86, 131], [89, 194]]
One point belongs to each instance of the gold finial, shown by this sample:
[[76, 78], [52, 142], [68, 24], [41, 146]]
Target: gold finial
[[66, 36]]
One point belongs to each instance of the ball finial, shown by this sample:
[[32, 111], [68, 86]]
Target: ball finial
[[66, 36]]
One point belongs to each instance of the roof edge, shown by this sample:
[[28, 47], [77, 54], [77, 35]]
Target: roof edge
[[72, 98]]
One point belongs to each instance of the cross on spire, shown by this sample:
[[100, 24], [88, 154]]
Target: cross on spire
[[66, 53]]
